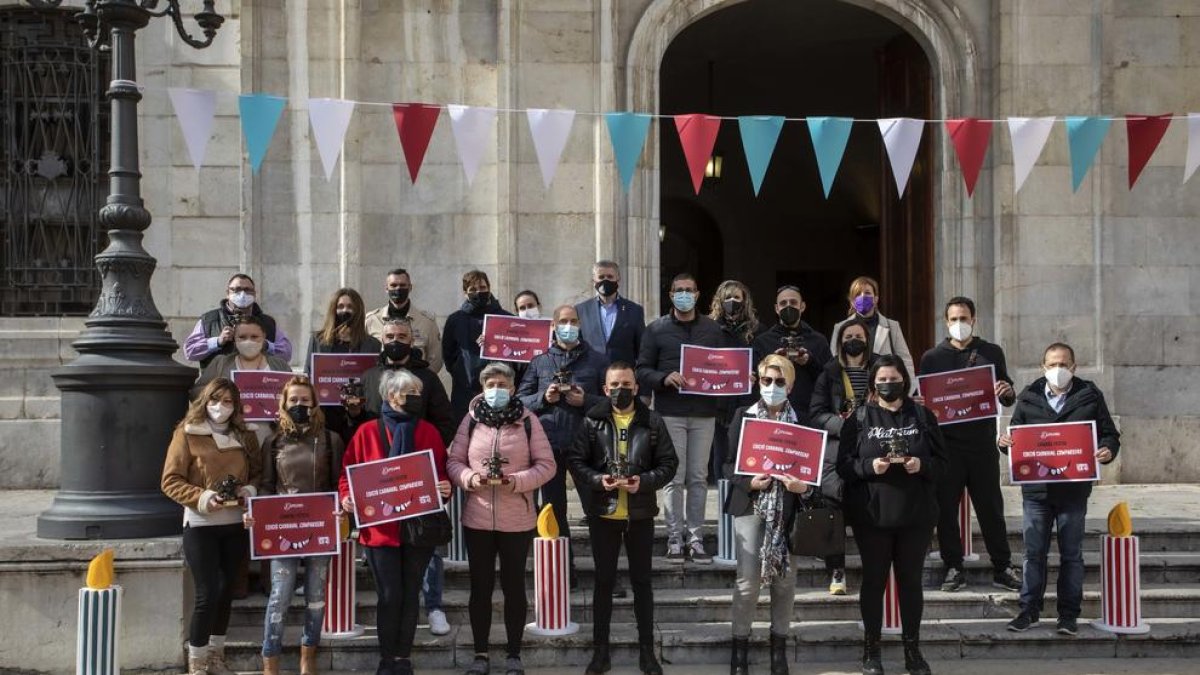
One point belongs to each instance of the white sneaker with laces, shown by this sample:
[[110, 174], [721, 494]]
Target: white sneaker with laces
[[437, 623]]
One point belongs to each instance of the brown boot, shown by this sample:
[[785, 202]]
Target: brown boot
[[308, 660], [216, 660], [270, 665], [198, 665]]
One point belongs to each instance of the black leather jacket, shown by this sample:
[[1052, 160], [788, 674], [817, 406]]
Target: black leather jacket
[[650, 455]]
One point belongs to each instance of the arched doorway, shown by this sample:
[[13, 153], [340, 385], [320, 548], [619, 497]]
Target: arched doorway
[[796, 59]]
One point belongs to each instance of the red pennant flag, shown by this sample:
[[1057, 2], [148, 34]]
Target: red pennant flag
[[698, 135], [1145, 133], [971, 137], [415, 123]]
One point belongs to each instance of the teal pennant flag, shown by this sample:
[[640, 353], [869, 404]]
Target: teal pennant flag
[[829, 138], [1085, 135], [628, 134], [260, 113], [759, 135]]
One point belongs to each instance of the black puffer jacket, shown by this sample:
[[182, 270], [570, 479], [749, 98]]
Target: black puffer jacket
[[650, 455], [806, 376]]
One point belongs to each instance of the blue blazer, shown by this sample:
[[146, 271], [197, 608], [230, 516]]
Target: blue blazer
[[626, 338]]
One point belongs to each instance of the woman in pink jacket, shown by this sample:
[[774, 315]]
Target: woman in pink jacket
[[500, 457]]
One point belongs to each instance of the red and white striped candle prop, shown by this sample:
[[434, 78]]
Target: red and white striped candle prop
[[1120, 586], [99, 630], [341, 586], [966, 533], [891, 605], [552, 588]]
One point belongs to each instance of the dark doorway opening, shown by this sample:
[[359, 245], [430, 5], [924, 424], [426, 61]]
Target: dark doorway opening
[[798, 59]]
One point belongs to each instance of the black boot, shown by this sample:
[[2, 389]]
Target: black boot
[[646, 661], [739, 663], [601, 663], [872, 658], [779, 654], [914, 663]]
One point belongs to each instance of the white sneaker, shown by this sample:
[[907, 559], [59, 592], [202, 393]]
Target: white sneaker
[[437, 623]]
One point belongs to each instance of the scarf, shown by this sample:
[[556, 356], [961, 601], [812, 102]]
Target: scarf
[[402, 428], [769, 506], [489, 416]]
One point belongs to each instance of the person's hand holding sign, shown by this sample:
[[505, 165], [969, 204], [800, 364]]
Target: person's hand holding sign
[[760, 482], [443, 487], [674, 380], [792, 484], [1004, 441], [1104, 455]]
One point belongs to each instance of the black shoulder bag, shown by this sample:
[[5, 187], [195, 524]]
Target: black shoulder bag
[[430, 530], [818, 528]]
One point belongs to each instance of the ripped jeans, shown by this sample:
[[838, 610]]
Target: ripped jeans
[[283, 582]]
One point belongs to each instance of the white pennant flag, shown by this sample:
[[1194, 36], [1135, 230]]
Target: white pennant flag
[[1193, 151], [196, 110], [1029, 136], [550, 129], [901, 137], [471, 128], [330, 117]]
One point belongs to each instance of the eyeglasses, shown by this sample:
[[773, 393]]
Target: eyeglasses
[[770, 381], [683, 290], [241, 289]]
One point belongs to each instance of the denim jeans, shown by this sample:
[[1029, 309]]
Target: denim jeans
[[434, 582], [283, 582], [693, 440], [1042, 514]]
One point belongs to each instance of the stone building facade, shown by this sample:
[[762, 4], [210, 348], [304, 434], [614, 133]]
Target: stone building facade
[[1112, 271]]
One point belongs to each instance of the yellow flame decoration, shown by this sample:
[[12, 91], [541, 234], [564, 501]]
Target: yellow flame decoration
[[547, 524], [1120, 524], [100, 571]]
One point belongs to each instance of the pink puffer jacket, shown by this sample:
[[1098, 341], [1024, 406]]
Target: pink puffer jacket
[[504, 508]]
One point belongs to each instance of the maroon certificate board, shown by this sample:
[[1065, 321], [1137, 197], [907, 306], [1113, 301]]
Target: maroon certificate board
[[511, 338], [395, 488], [715, 372], [957, 396], [294, 526], [772, 447], [1053, 453], [331, 371], [260, 391]]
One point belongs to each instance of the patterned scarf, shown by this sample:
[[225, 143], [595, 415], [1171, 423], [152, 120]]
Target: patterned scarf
[[776, 562], [489, 416]]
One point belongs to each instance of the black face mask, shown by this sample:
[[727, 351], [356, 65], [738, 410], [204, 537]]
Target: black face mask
[[732, 308], [414, 406], [854, 347], [621, 398], [343, 318], [789, 316], [398, 295], [396, 350], [889, 391], [606, 287], [299, 414], [479, 300]]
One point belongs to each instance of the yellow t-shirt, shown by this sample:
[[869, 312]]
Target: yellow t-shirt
[[622, 422]]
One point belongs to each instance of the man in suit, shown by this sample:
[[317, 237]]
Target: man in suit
[[611, 323]]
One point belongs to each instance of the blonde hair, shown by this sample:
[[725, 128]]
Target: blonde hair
[[316, 418], [197, 411], [779, 363], [723, 292], [856, 289]]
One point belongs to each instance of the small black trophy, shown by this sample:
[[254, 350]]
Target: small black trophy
[[495, 469], [897, 450], [792, 344], [618, 469], [227, 492]]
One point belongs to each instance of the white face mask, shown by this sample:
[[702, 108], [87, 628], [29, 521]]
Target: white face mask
[[219, 413], [241, 299], [961, 331], [249, 348], [773, 394], [1059, 377], [530, 313]]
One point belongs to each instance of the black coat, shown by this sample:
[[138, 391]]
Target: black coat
[[895, 499], [806, 376], [437, 405], [650, 455], [976, 435], [460, 352], [561, 420], [625, 341], [661, 346], [215, 320], [829, 395], [1085, 402]]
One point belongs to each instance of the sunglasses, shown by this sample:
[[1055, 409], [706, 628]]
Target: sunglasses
[[769, 381]]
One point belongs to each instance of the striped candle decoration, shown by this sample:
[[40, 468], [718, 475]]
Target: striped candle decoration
[[1120, 586], [891, 606], [966, 533], [457, 550], [341, 586], [99, 631], [726, 553], [552, 588]]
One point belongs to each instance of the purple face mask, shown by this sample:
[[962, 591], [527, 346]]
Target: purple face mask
[[863, 304]]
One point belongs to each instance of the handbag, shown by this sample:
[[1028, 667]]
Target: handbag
[[430, 530], [818, 530]]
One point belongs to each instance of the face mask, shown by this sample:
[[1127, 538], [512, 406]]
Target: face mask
[[343, 318], [863, 304], [530, 313], [219, 413], [479, 300], [496, 397], [854, 347], [414, 406], [1059, 377], [889, 391], [621, 398], [249, 348], [606, 287], [684, 301], [299, 413], [789, 315], [241, 299], [567, 333], [396, 350], [773, 395], [398, 295], [961, 331], [732, 307]]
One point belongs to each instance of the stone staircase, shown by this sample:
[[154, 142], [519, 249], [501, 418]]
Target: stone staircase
[[693, 606]]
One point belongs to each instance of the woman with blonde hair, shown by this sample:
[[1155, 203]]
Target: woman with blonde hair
[[212, 452], [885, 336], [300, 457]]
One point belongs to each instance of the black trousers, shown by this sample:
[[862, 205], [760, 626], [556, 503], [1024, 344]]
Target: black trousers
[[638, 536], [978, 470], [398, 573], [213, 553], [554, 492], [483, 547], [881, 550]]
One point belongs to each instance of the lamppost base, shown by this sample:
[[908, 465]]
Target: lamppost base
[[112, 515]]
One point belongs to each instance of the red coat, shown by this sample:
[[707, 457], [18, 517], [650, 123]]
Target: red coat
[[366, 446]]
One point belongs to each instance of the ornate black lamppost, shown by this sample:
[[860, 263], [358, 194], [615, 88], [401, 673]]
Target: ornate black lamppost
[[123, 395]]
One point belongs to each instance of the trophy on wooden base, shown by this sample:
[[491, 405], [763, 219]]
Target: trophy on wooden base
[[495, 470], [227, 492], [897, 450], [618, 470]]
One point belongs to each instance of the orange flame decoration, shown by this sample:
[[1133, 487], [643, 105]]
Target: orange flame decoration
[[547, 524], [100, 571], [1120, 524]]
